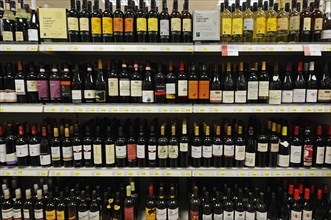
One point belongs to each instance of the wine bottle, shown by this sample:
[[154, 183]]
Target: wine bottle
[[299, 91], [316, 22], [34, 147], [253, 86], [182, 84], [175, 23], [193, 85], [33, 28], [263, 84], [324, 91], [248, 17], [184, 146], [204, 85], [272, 209], [160, 86], [27, 206], [171, 86], [65, 84], [308, 149], [273, 146], [121, 149], [151, 147], [153, 23], [124, 85], [39, 212], [55, 148], [207, 148], [206, 207], [10, 141], [319, 147], [228, 148], [9, 83], [85, 23], [89, 86], [129, 23], [132, 149], [240, 148], [94, 212], [162, 148], [275, 87], [328, 149], [283, 158], [173, 148], [20, 84], [83, 209], [287, 89], [43, 85], [261, 207], [113, 84], [72, 19], [100, 85], [226, 21], [136, 86], [241, 86], [228, 205], [109, 148], [50, 209], [296, 210], [271, 16], [61, 211], [77, 148], [186, 23], [305, 23], [7, 206], [260, 22], [150, 209], [54, 84], [196, 148], [22, 150], [250, 154], [8, 23], [76, 86], [96, 23], [237, 23], [67, 150], [172, 204], [216, 93], [107, 22], [118, 23], [296, 149], [141, 148], [32, 85], [311, 85], [141, 27], [147, 86], [318, 211], [307, 209], [262, 148], [195, 202]]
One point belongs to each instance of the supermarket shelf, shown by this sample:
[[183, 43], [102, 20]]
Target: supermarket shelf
[[26, 171], [117, 108], [184, 48], [261, 172], [18, 47], [120, 172], [21, 108], [262, 108]]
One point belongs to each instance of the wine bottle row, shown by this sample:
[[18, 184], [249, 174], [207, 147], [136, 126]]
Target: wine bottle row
[[70, 202], [127, 82], [136, 143]]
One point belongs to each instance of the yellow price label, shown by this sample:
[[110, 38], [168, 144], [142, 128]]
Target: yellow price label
[[100, 49], [44, 173], [67, 110], [254, 174], [119, 174], [320, 110], [103, 110], [148, 110], [242, 174], [308, 109], [282, 110], [164, 110], [156, 173], [202, 110], [75, 49], [125, 109], [168, 174], [270, 110], [293, 110], [33, 49], [188, 174], [277, 174], [1, 110], [77, 174], [189, 49], [271, 49], [189, 110], [114, 110], [7, 173], [130, 174], [143, 173], [176, 110], [258, 110], [50, 49], [143, 49], [239, 110], [288, 174], [204, 49], [289, 49], [200, 174], [57, 174], [328, 174], [311, 174], [250, 48], [92, 110], [97, 174], [167, 49], [266, 174], [80, 110], [263, 48], [7, 48], [122, 49], [215, 110], [52, 110], [299, 174], [222, 174], [19, 172]]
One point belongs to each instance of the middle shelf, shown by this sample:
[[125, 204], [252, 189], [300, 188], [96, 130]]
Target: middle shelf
[[165, 172], [165, 108]]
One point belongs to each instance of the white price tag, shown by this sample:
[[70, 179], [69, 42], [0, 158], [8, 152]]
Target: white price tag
[[312, 50]]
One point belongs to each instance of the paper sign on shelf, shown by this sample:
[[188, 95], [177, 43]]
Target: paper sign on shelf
[[229, 50], [312, 50]]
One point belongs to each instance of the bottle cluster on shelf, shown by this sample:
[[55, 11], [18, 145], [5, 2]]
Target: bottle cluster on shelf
[[137, 143], [75, 201], [292, 201], [130, 82]]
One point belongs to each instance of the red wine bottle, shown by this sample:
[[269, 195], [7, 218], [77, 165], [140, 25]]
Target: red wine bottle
[[184, 146], [296, 149], [196, 148], [307, 209], [121, 149], [173, 148], [162, 148], [240, 148], [217, 148], [195, 202], [319, 148], [296, 210], [22, 151], [319, 212]]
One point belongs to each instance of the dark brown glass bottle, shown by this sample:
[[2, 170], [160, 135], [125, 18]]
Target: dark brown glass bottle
[[85, 23], [240, 148], [196, 149], [118, 22], [207, 149], [296, 148], [316, 22], [228, 148], [153, 23], [164, 18], [186, 23], [162, 148], [150, 208], [141, 23], [67, 151], [129, 23], [73, 27], [173, 147], [175, 23], [262, 148]]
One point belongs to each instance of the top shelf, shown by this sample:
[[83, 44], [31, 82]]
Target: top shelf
[[309, 49]]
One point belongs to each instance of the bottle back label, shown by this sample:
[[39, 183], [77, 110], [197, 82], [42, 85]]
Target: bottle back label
[[87, 152], [299, 95], [253, 90], [78, 155], [77, 95], [217, 150], [194, 215], [204, 89], [11, 158], [248, 24], [323, 95], [112, 86], [96, 215], [226, 26], [311, 95], [83, 215], [121, 152], [22, 150], [132, 151], [182, 88], [136, 88], [60, 215], [250, 215], [84, 24], [96, 26], [50, 215], [282, 24], [307, 215], [239, 215], [124, 87], [295, 215], [32, 85], [7, 214], [318, 24], [262, 147], [287, 96], [2, 153], [140, 151], [308, 155], [240, 96], [274, 147], [142, 24], [306, 23], [17, 214], [45, 159], [170, 90], [261, 215], [118, 24], [218, 216], [228, 150], [237, 26], [228, 96], [67, 153], [39, 214], [216, 96], [275, 97], [26, 214], [148, 96], [55, 89], [260, 26], [107, 25], [295, 154], [207, 217], [56, 153], [283, 160], [295, 23], [152, 152], [263, 88], [7, 36], [150, 213], [193, 89], [173, 214]]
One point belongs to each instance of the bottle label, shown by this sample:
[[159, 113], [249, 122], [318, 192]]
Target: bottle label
[[100, 95], [140, 151], [76, 95], [261, 215], [182, 88], [7, 213], [128, 213], [299, 95], [124, 87], [26, 214], [65, 88], [22, 150], [84, 24], [136, 88], [323, 95], [164, 28], [217, 150], [237, 26], [240, 96], [274, 147], [262, 147], [204, 89], [187, 25], [176, 24], [55, 89], [173, 151], [311, 95], [260, 26], [194, 215], [250, 159], [89, 94], [283, 160], [10, 96], [2, 153], [295, 23], [287, 96], [20, 87], [306, 24], [318, 24], [216, 96], [328, 154], [307, 215], [193, 89], [240, 152], [128, 25], [112, 86], [45, 159], [295, 154], [153, 24], [7, 36], [272, 25], [263, 88], [207, 217], [161, 214], [196, 152], [142, 24], [132, 151], [218, 216], [152, 152], [150, 213], [253, 90], [320, 155], [226, 26], [307, 155], [60, 215], [148, 96], [67, 153], [228, 215], [11, 158], [275, 97], [73, 24], [50, 215], [96, 26], [183, 147], [172, 214], [250, 215], [207, 151], [162, 151], [248, 24], [120, 152], [33, 35], [110, 153], [295, 215], [87, 152], [39, 214], [160, 89], [56, 154], [77, 152], [83, 215], [239, 215], [107, 25], [326, 35], [228, 150], [32, 85], [170, 90], [282, 24], [96, 215], [228, 96], [17, 213], [118, 24]]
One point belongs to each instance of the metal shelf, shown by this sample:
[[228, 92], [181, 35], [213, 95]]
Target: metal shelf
[[21, 108], [19, 47], [26, 171]]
